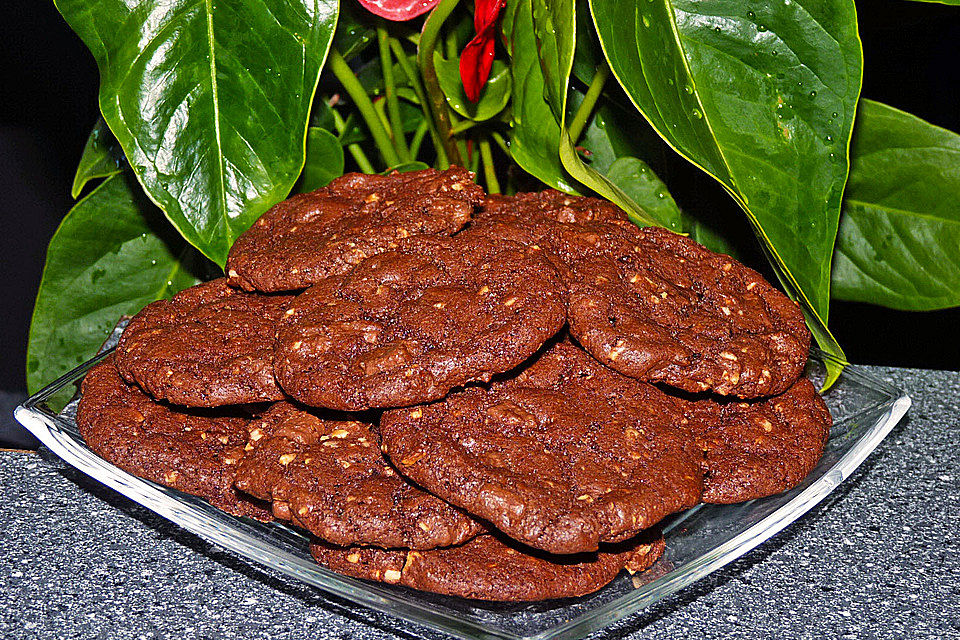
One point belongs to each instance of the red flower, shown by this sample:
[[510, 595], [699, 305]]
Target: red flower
[[477, 56], [398, 10]]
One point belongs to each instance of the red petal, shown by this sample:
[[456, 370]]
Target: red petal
[[475, 63], [398, 10], [485, 13]]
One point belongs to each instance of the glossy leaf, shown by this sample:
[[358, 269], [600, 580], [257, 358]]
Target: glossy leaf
[[324, 160], [355, 30], [416, 165], [535, 133], [493, 97], [899, 241], [762, 97], [112, 254], [638, 181], [555, 28], [707, 235], [208, 100], [102, 157]]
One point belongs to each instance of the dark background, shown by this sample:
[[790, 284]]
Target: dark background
[[49, 104]]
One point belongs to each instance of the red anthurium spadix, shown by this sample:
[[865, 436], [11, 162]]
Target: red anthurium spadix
[[477, 57]]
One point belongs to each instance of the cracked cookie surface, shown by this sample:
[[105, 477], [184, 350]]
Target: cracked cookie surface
[[566, 455], [194, 451], [327, 232], [208, 346], [758, 448], [410, 324], [490, 567], [329, 477], [659, 307]]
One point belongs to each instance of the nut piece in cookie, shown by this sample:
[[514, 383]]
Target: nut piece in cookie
[[208, 346], [755, 449], [490, 567], [410, 324], [327, 232], [659, 307], [190, 450], [565, 456], [329, 477]]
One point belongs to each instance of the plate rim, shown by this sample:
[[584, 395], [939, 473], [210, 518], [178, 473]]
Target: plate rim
[[199, 518]]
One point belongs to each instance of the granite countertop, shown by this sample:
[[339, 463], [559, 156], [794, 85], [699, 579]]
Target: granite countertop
[[879, 558]]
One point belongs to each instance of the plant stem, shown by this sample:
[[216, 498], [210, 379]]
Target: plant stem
[[451, 43], [355, 149], [418, 136], [580, 118], [380, 108], [390, 91], [358, 94], [501, 143], [438, 104], [489, 173], [414, 79], [463, 126]]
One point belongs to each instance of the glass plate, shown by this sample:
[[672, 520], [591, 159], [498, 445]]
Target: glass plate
[[699, 541]]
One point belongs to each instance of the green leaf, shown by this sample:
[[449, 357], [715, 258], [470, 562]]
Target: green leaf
[[555, 28], [112, 254], [707, 235], [762, 97], [535, 133], [102, 157], [355, 31], [416, 165], [324, 160], [587, 57], [899, 241], [209, 101], [493, 97], [642, 185]]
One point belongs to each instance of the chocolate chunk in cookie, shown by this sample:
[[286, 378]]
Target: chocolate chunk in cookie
[[759, 448], [408, 325], [565, 456], [208, 346], [491, 568], [194, 451], [329, 477], [327, 232], [659, 307]]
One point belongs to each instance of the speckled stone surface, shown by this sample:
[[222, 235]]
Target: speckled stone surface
[[879, 558]]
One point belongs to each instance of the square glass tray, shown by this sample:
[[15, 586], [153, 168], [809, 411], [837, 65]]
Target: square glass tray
[[699, 541]]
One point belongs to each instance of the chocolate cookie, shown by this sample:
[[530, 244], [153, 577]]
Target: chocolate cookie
[[565, 456], [327, 232], [408, 325], [550, 205], [329, 477], [659, 307], [490, 568], [756, 449], [210, 345], [193, 451]]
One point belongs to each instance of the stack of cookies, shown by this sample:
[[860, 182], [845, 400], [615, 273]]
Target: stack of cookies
[[494, 398]]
